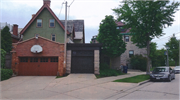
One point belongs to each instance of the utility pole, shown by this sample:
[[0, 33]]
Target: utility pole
[[167, 47], [65, 35]]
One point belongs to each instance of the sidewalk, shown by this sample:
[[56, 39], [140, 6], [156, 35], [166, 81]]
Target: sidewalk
[[74, 86]]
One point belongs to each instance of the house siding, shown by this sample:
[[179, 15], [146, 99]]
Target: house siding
[[45, 31]]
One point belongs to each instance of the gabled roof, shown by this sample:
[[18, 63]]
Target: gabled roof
[[35, 16], [78, 25], [119, 23]]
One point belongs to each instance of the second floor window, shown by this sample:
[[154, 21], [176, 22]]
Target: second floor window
[[126, 38], [53, 37], [39, 22], [51, 23]]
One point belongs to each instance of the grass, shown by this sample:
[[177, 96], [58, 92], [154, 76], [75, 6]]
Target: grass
[[109, 72], [134, 79], [61, 76]]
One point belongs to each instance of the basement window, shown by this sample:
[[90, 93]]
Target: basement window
[[51, 23], [39, 23]]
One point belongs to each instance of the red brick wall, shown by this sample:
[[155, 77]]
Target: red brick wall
[[50, 49]]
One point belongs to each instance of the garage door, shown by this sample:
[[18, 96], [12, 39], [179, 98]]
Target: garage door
[[46, 66], [82, 61]]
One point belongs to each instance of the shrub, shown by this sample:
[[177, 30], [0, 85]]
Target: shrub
[[6, 74], [138, 62], [106, 71], [3, 54]]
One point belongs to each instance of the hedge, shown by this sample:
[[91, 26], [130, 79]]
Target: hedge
[[6, 74]]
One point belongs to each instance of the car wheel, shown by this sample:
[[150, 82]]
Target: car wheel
[[169, 78]]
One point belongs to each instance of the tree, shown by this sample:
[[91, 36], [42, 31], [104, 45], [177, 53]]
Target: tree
[[153, 54], [3, 54], [173, 51], [6, 40], [146, 20], [113, 44]]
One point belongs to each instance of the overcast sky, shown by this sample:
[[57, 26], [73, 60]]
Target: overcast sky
[[91, 11]]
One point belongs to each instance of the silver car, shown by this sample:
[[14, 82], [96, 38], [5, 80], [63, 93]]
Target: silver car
[[162, 73], [177, 69]]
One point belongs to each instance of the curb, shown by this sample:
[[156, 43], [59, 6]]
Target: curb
[[143, 82]]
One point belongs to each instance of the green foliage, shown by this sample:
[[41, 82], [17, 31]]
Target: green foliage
[[3, 54], [6, 40], [6, 74], [134, 79], [138, 62], [109, 36], [106, 71], [161, 58], [173, 51], [146, 19]]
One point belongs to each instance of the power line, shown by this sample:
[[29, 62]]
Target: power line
[[69, 9], [60, 10], [165, 37]]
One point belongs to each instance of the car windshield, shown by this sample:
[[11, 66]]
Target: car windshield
[[160, 70]]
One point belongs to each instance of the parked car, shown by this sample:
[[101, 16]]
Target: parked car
[[177, 69], [162, 73]]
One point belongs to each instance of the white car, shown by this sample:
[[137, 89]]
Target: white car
[[177, 69]]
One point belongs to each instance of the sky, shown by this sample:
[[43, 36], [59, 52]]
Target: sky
[[91, 11]]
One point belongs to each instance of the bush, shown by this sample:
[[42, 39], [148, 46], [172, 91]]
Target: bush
[[3, 54], [6, 74], [138, 62], [106, 71]]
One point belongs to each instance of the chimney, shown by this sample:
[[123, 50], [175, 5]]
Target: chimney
[[15, 29], [48, 2], [33, 15]]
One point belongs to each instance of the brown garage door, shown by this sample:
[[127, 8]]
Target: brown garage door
[[46, 66]]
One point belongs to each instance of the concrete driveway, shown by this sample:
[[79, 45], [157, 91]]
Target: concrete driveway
[[74, 86]]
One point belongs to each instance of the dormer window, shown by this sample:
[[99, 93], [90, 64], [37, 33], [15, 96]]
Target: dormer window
[[39, 23], [51, 23]]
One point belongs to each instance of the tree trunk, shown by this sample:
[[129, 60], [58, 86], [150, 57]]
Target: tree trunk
[[148, 59]]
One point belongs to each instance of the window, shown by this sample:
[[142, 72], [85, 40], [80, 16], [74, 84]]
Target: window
[[23, 59], [122, 29], [117, 27], [131, 53], [51, 23], [54, 59], [33, 59], [39, 22], [44, 60], [126, 38], [53, 37], [36, 35]]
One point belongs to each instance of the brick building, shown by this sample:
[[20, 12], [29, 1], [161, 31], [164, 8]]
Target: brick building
[[131, 49]]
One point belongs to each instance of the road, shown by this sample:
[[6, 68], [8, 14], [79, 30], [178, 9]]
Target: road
[[153, 90]]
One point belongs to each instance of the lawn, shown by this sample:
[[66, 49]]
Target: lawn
[[134, 79]]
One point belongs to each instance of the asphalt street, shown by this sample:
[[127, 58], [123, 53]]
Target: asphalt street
[[152, 90]]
